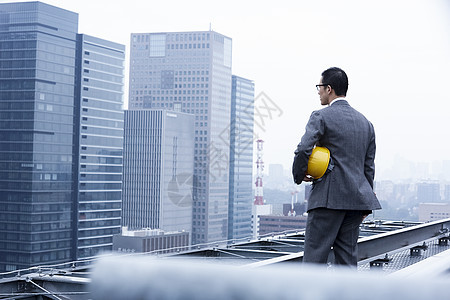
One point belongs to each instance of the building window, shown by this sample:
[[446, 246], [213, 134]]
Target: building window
[[157, 45]]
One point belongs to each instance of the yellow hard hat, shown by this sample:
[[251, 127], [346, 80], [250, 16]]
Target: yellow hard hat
[[318, 162]]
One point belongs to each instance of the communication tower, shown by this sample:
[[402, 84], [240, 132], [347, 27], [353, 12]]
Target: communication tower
[[259, 199]]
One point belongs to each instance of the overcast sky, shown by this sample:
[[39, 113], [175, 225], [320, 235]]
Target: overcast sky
[[395, 53]]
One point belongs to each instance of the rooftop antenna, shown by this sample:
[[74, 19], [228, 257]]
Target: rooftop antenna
[[210, 28]]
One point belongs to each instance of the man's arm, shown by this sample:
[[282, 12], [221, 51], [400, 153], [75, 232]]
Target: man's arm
[[314, 130], [369, 164]]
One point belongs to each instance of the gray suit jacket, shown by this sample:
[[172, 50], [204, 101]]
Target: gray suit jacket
[[350, 137]]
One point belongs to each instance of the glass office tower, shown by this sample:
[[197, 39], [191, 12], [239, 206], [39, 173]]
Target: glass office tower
[[158, 170], [241, 158], [37, 75], [99, 144], [191, 72], [61, 127]]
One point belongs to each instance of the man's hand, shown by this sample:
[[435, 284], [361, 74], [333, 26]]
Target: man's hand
[[307, 178]]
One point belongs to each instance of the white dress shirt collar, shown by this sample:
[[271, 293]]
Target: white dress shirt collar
[[338, 99]]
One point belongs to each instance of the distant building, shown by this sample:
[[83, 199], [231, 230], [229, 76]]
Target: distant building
[[61, 128], [150, 240], [428, 192], [295, 209], [433, 211], [241, 158], [401, 193], [271, 224], [257, 212], [446, 171], [384, 189], [191, 72], [158, 170], [447, 193]]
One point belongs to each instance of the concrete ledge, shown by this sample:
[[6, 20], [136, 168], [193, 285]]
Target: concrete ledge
[[147, 278]]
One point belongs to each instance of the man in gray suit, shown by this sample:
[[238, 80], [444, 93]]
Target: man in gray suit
[[343, 197]]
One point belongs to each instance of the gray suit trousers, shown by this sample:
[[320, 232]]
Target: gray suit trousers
[[326, 228]]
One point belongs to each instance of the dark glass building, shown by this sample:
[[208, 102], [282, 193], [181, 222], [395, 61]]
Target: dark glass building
[[37, 74], [42, 105]]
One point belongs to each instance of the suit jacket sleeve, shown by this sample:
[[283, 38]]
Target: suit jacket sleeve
[[369, 164], [314, 131]]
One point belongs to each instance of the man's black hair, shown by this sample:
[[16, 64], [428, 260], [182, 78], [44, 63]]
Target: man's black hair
[[337, 79]]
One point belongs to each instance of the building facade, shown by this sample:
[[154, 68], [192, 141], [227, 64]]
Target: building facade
[[156, 241], [40, 116], [241, 158], [257, 212], [158, 170], [433, 211], [99, 144], [429, 191], [191, 72], [271, 224], [38, 45]]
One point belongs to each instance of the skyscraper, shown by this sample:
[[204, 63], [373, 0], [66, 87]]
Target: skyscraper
[[158, 167], [38, 45], [191, 72], [43, 147], [99, 143], [241, 158]]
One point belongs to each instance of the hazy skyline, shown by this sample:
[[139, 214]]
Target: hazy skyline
[[394, 52]]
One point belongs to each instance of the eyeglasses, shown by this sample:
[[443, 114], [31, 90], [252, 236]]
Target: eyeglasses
[[319, 85]]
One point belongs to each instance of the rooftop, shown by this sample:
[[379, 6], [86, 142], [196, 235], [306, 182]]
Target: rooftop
[[395, 259]]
